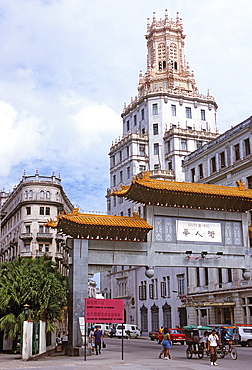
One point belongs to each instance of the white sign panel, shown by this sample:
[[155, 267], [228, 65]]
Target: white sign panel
[[192, 231]]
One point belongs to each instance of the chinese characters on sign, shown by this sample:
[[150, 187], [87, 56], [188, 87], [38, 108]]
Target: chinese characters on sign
[[199, 231], [104, 310]]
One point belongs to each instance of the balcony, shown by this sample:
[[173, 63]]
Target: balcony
[[26, 254], [44, 236], [162, 175], [59, 237], [58, 256], [26, 236]]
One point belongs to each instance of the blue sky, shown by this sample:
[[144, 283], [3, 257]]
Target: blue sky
[[68, 66]]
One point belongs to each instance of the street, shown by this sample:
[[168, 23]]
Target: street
[[138, 354]]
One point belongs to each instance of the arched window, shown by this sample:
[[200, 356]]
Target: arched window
[[26, 194], [42, 194], [30, 194], [48, 195]]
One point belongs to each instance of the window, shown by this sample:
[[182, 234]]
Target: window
[[121, 176], [26, 194], [28, 229], [142, 149], [114, 180], [129, 212], [229, 275], [41, 228], [46, 248], [121, 214], [237, 152], [127, 125], [135, 120], [202, 115], [120, 200], [128, 172], [27, 247], [151, 291], [156, 148], [47, 211], [206, 275], [48, 195], [30, 194], [222, 160], [155, 129], [249, 181], [142, 114], [120, 156], [28, 210], [168, 146], [41, 247], [247, 147], [42, 194], [114, 201], [142, 168], [165, 287], [197, 276], [201, 171], [127, 151], [113, 160], [139, 211], [154, 109], [213, 164], [170, 165], [184, 144], [173, 110], [188, 112], [156, 167], [41, 210], [142, 291], [220, 277], [192, 174], [181, 284], [198, 144]]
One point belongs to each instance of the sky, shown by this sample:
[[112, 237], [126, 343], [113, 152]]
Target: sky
[[68, 66]]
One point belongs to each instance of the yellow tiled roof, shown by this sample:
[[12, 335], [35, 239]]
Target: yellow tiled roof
[[92, 226], [182, 194]]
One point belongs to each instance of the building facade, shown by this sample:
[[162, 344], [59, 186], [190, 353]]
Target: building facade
[[24, 212], [168, 119], [225, 296]]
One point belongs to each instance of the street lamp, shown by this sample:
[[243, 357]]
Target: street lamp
[[26, 311]]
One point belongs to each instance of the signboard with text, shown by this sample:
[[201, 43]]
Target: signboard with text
[[199, 231], [104, 310]]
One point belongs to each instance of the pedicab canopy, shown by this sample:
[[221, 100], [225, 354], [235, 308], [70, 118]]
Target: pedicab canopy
[[103, 227], [146, 190], [196, 327]]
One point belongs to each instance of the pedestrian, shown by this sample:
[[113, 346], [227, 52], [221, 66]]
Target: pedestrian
[[213, 340], [166, 344], [92, 339], [98, 339], [204, 340]]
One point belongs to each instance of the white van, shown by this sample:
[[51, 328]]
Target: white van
[[105, 328], [129, 331], [243, 335]]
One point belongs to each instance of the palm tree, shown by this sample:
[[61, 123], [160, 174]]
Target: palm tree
[[35, 282]]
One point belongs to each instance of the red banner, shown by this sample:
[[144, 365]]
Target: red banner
[[104, 310]]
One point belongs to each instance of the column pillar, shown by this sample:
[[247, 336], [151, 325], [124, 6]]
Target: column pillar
[[27, 340], [78, 291]]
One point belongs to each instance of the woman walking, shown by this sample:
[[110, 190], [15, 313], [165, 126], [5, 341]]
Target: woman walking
[[166, 344]]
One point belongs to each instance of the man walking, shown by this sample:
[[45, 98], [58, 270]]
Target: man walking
[[212, 347], [98, 338]]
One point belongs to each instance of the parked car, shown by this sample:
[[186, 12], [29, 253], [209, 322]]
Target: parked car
[[153, 335], [177, 335], [129, 331], [243, 335], [112, 332]]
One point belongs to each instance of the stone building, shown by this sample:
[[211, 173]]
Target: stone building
[[225, 297], [24, 212]]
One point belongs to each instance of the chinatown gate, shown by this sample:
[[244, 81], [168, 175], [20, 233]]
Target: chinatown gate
[[185, 225]]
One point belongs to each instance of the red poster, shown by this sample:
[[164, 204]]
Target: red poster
[[104, 310]]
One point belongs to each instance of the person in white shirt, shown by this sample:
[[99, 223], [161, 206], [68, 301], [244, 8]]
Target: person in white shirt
[[212, 347]]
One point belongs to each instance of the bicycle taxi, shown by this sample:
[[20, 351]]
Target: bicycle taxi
[[193, 334]]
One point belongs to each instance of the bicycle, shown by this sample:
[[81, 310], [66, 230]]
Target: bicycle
[[223, 352]]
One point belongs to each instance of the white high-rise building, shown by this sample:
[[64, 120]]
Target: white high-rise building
[[167, 120]]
